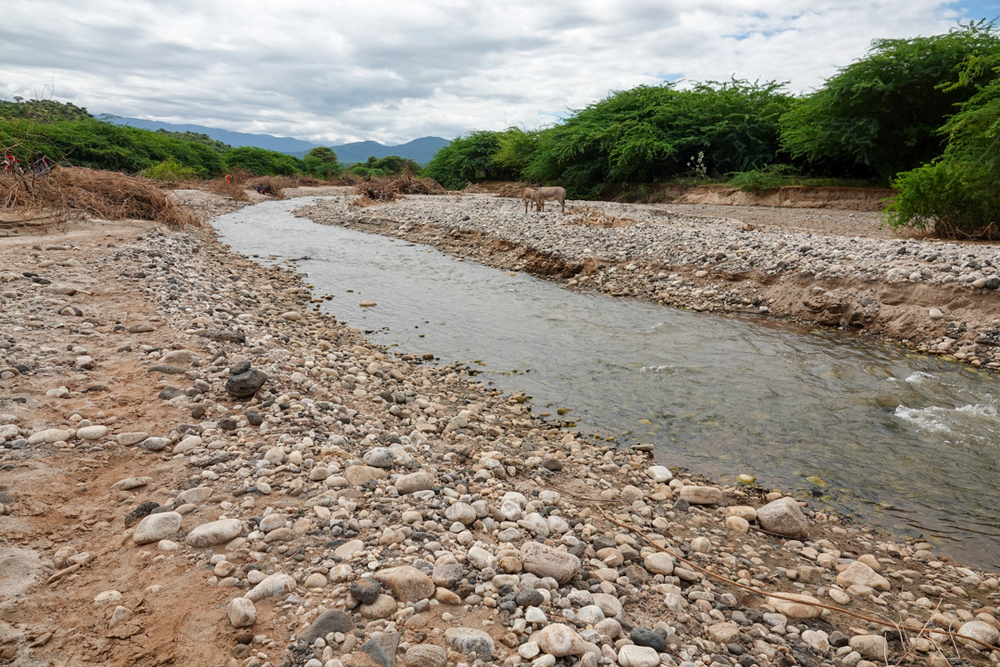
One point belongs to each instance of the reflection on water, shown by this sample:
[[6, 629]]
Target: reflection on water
[[905, 442]]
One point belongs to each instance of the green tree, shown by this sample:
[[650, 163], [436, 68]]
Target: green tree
[[262, 162], [651, 133], [469, 158], [881, 114], [516, 149], [959, 194], [321, 162]]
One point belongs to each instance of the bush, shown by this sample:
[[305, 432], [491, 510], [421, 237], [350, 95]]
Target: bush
[[880, 115], [262, 162], [653, 133], [170, 170], [959, 194], [771, 177], [468, 159]]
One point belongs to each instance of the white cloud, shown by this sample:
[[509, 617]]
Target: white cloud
[[343, 71]]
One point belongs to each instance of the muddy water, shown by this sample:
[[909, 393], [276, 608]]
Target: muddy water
[[904, 442]]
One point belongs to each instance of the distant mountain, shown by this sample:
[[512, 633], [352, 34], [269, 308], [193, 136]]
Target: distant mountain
[[419, 150], [235, 139]]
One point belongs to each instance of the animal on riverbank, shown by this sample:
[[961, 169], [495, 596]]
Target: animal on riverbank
[[530, 195], [552, 194]]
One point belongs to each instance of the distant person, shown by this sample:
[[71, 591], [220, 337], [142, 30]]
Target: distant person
[[260, 189], [229, 178], [41, 165], [11, 163]]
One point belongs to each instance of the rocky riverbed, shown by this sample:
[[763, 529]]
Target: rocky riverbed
[[199, 468], [833, 268]]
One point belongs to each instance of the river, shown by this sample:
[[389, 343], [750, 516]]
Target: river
[[905, 442]]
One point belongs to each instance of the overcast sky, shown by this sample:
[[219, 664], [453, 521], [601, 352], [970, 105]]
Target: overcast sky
[[393, 70]]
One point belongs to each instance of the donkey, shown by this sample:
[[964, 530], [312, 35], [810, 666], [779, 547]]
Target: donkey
[[554, 194], [530, 195]]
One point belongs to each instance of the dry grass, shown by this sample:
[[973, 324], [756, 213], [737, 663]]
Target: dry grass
[[101, 194], [274, 186], [587, 216], [373, 190]]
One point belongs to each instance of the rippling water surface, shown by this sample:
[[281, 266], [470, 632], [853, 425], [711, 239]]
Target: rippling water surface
[[905, 442]]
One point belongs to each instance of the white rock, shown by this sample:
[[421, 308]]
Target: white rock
[[242, 612], [659, 563], [638, 656], [272, 586], [156, 527], [660, 474], [92, 432], [215, 532]]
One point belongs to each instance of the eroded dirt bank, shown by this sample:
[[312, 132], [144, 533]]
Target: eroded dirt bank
[[367, 509]]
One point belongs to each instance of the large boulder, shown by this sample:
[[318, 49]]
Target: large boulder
[[783, 517], [156, 527], [215, 532], [544, 561]]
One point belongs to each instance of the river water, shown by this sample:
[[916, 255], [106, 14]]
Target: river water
[[905, 442]]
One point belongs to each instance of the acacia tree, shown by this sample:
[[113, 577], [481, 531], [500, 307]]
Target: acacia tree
[[651, 133], [959, 194], [881, 115], [321, 162]]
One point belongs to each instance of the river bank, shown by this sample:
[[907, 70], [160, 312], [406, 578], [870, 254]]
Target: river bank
[[835, 269], [366, 509]]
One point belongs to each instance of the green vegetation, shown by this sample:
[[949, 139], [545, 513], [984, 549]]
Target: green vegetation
[[170, 170], [321, 162], [959, 193], [262, 162], [922, 114], [881, 115], [390, 165], [69, 135]]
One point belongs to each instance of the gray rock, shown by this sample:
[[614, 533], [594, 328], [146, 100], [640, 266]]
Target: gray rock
[[244, 382], [273, 586], [333, 620], [417, 481], [783, 517], [382, 648], [379, 457], [544, 561], [469, 641], [873, 647], [155, 444], [646, 637], [242, 612], [365, 590]]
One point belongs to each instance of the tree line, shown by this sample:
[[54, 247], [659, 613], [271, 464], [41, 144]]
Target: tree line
[[68, 134], [920, 115]]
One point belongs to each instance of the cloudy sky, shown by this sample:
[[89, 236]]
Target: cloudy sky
[[393, 70]]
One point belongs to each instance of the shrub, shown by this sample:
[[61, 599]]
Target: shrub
[[771, 177], [880, 115], [170, 170]]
